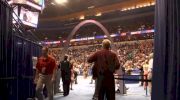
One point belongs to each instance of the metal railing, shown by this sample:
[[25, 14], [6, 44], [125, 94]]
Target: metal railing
[[128, 79]]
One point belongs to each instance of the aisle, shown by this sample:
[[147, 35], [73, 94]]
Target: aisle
[[84, 91]]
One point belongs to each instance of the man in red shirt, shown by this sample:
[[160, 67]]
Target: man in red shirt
[[106, 62], [45, 74]]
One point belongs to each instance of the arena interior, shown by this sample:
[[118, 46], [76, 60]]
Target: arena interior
[[50, 49]]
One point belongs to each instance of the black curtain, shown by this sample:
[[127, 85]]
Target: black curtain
[[5, 46], [23, 51], [16, 69], [166, 70]]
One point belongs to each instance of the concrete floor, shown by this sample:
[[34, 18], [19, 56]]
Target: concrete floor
[[84, 91]]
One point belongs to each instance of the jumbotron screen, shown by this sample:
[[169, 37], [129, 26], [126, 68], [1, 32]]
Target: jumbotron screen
[[27, 17], [37, 4]]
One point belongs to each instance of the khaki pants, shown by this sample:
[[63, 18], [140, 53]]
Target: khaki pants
[[44, 80], [57, 82]]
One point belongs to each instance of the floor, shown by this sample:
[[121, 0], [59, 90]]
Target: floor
[[84, 91]]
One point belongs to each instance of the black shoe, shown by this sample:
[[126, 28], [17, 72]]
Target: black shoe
[[65, 94], [118, 91], [94, 98]]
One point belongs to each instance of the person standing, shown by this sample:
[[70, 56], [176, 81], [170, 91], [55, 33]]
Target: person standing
[[45, 74], [121, 84], [94, 77], [66, 75], [72, 75], [76, 72], [145, 68], [106, 62], [150, 68], [85, 70], [57, 81]]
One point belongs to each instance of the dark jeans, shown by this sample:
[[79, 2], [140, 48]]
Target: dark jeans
[[142, 77], [66, 85], [96, 91], [107, 87]]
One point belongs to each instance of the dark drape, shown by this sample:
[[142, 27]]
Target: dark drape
[[166, 71], [23, 51], [16, 69], [5, 39]]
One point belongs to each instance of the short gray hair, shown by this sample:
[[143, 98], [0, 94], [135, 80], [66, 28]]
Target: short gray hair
[[106, 44]]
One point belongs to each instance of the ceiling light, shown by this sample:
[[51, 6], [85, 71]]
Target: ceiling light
[[124, 9], [99, 14], [137, 6], [144, 5], [91, 7], [140, 6], [61, 1], [153, 3], [82, 17], [132, 7]]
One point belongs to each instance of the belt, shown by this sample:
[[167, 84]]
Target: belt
[[44, 74]]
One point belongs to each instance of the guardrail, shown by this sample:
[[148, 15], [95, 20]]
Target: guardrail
[[123, 78]]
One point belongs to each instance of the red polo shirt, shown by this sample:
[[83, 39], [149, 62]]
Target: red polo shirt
[[47, 64]]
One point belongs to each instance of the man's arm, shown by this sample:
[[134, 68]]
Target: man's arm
[[36, 76], [37, 72], [92, 58]]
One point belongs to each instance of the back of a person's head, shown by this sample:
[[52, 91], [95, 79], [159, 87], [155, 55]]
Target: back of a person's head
[[106, 44], [65, 57], [45, 50]]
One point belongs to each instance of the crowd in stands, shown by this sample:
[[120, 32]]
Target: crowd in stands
[[132, 55]]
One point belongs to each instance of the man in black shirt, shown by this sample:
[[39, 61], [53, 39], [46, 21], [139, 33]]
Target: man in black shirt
[[66, 74]]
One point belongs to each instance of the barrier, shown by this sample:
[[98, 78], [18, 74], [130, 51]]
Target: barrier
[[123, 78]]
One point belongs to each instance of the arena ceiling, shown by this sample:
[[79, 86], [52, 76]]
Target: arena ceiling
[[77, 8], [56, 18], [72, 6]]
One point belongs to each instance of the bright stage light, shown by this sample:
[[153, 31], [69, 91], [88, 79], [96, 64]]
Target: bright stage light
[[61, 1], [144, 5], [153, 3], [99, 14], [137, 7], [133, 7], [82, 17]]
